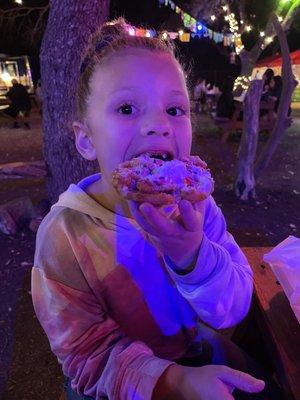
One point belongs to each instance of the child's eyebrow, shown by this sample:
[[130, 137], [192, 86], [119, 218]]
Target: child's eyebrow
[[137, 88], [124, 88], [178, 93]]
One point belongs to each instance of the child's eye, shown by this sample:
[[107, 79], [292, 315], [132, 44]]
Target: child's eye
[[127, 109], [176, 111]]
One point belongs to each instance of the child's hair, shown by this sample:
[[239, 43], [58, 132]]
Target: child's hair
[[110, 38]]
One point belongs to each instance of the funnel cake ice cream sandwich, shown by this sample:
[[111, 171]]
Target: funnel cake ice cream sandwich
[[157, 179]]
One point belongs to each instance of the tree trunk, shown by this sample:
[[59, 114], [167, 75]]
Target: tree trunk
[[282, 121], [245, 182], [70, 24]]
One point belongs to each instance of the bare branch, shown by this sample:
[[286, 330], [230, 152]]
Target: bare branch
[[21, 11], [28, 21], [242, 9], [289, 84]]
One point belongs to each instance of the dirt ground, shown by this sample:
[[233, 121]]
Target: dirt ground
[[28, 370]]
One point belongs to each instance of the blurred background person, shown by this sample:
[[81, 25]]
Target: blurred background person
[[199, 95], [20, 104]]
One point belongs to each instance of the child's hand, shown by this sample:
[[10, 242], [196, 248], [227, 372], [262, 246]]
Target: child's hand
[[204, 383], [179, 238]]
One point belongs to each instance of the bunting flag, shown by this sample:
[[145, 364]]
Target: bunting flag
[[140, 32], [184, 37], [173, 35], [197, 28]]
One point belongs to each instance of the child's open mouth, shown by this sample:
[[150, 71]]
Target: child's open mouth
[[161, 155]]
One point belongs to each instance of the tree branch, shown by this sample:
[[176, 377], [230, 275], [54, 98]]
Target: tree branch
[[289, 84], [28, 20], [21, 11], [242, 10], [293, 11]]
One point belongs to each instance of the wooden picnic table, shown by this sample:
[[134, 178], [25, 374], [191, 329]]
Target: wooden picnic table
[[277, 323], [235, 123]]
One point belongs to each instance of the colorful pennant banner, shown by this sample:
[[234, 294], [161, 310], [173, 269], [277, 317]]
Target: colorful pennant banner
[[196, 28]]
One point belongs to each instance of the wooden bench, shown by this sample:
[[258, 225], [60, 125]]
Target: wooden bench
[[277, 323], [229, 125]]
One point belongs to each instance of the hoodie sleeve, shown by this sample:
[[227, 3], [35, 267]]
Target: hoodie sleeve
[[94, 352], [220, 286]]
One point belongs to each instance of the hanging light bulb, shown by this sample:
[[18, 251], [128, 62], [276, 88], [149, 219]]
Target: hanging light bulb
[[268, 40]]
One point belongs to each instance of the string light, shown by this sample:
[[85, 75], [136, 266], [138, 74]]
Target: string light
[[269, 39], [234, 28], [165, 36], [225, 8], [242, 81], [181, 32], [241, 21], [248, 28], [213, 17], [233, 25], [280, 19], [19, 2], [148, 34], [262, 34]]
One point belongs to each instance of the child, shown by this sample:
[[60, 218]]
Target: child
[[120, 288]]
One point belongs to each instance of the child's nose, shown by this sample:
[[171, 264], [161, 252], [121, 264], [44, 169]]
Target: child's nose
[[156, 127], [157, 132]]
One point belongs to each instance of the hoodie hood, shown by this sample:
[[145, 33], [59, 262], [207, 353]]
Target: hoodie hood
[[76, 198]]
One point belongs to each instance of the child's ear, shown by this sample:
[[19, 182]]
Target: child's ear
[[83, 141]]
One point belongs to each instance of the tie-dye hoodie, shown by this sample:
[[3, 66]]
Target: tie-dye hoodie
[[115, 313]]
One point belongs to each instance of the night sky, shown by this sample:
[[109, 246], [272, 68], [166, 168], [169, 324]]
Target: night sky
[[204, 54]]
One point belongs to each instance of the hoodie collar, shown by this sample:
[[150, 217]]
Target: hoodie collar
[[76, 198]]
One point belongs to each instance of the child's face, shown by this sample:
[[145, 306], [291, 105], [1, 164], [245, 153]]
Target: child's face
[[138, 102]]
